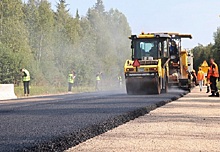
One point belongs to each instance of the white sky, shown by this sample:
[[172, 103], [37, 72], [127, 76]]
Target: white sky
[[198, 17]]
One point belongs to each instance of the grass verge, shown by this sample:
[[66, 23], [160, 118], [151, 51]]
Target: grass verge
[[48, 90]]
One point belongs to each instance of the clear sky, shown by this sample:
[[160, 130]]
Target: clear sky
[[197, 17]]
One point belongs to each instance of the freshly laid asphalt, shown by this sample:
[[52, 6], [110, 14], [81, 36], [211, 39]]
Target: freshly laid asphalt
[[189, 124], [58, 122]]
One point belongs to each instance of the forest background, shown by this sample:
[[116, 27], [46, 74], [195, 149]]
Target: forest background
[[51, 44]]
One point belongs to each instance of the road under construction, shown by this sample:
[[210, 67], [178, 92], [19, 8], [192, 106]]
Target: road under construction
[[190, 123], [119, 122], [158, 109]]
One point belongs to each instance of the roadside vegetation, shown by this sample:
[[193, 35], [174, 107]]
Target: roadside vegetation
[[202, 52], [50, 90], [49, 43]]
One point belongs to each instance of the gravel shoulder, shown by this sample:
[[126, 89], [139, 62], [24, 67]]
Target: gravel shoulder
[[191, 123]]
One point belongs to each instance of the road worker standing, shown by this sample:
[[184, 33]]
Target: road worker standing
[[200, 78], [213, 75], [98, 79], [26, 81], [71, 78]]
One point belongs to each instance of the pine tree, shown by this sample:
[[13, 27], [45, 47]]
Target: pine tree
[[111, 30], [77, 14], [62, 36], [32, 24], [99, 6], [216, 46], [45, 42]]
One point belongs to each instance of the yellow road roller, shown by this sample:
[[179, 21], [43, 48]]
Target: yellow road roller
[[147, 71], [156, 63]]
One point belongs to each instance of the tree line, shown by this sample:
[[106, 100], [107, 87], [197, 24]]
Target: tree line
[[202, 53], [50, 43]]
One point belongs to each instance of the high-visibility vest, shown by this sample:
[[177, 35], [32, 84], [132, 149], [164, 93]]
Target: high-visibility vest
[[26, 77], [98, 78], [119, 78], [200, 75], [70, 78], [214, 72]]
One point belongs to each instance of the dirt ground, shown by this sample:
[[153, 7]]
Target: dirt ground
[[190, 124]]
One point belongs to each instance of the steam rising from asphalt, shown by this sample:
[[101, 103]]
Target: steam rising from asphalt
[[84, 57], [175, 89]]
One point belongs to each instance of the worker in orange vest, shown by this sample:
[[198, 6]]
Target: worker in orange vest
[[200, 78], [213, 75]]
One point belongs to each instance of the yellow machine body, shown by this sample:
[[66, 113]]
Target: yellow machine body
[[147, 73], [150, 74], [180, 70]]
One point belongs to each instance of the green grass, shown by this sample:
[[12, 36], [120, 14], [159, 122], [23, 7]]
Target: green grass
[[48, 90]]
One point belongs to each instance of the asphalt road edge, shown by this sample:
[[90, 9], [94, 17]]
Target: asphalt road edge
[[67, 141]]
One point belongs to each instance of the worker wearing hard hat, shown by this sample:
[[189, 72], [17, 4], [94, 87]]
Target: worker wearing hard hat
[[200, 78], [213, 75]]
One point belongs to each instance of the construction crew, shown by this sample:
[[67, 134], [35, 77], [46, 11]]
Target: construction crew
[[200, 78], [71, 78], [26, 81], [213, 75]]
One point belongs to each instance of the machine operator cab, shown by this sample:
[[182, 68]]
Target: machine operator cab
[[175, 47], [178, 64], [150, 46], [154, 46], [174, 51]]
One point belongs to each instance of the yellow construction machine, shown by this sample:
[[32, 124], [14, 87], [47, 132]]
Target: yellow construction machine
[[180, 64], [151, 68], [147, 71]]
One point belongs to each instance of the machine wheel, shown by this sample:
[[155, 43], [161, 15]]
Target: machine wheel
[[132, 86], [129, 88]]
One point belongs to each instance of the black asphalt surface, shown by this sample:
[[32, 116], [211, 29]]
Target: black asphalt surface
[[55, 123]]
